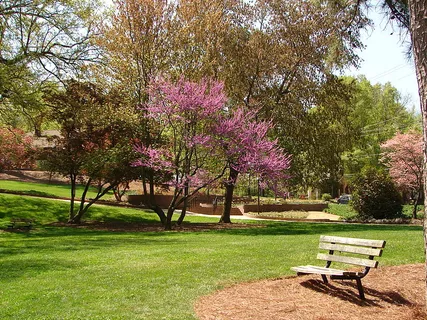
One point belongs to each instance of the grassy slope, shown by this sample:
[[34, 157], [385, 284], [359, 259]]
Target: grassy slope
[[68, 273], [46, 190]]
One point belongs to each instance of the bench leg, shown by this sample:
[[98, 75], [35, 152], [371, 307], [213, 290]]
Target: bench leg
[[324, 278], [360, 287]]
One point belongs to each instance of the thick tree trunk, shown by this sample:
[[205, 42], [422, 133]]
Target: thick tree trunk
[[228, 198], [418, 9], [169, 215], [150, 200], [184, 209]]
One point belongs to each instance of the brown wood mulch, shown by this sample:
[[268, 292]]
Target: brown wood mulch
[[155, 227], [392, 293]]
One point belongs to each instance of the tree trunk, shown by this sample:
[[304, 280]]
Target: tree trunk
[[417, 199], [184, 209], [418, 9], [150, 200], [228, 198], [73, 197], [168, 223]]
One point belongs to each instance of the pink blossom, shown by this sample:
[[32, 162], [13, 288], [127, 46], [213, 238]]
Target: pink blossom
[[403, 155]]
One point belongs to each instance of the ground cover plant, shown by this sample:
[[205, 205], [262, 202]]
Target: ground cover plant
[[281, 215], [56, 272]]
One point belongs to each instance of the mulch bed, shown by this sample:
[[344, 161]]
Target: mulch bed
[[155, 227], [392, 293]]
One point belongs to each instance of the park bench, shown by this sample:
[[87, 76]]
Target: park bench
[[20, 223], [353, 251]]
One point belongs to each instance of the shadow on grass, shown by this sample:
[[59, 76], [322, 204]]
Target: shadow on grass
[[24, 267], [300, 228], [35, 193]]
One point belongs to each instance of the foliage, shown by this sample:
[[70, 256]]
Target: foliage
[[47, 36], [247, 149], [375, 196], [274, 58], [16, 150], [121, 270], [378, 113], [41, 41]]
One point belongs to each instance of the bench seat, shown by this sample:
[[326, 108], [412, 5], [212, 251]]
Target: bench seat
[[19, 223], [326, 271]]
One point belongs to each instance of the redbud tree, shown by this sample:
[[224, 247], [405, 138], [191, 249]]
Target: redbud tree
[[202, 139], [403, 155], [187, 112]]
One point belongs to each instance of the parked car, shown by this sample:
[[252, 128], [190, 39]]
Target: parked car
[[344, 199]]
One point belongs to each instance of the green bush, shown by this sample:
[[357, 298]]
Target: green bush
[[375, 196], [326, 197]]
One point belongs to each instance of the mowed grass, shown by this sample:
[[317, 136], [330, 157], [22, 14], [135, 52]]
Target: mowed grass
[[47, 189], [73, 273]]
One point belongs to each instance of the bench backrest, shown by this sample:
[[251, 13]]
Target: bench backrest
[[359, 252]]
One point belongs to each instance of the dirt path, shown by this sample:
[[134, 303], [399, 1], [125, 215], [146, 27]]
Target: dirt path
[[392, 293]]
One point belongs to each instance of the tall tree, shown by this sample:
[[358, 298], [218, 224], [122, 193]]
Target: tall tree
[[418, 27], [48, 36], [40, 40], [410, 15], [284, 67], [136, 41]]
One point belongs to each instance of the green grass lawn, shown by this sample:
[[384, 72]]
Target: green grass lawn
[[73, 273], [47, 190]]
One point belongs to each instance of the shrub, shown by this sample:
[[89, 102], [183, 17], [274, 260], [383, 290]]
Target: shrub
[[376, 196], [15, 150], [326, 197]]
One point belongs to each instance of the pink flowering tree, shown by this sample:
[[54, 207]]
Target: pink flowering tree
[[403, 155], [247, 149], [187, 112], [200, 140]]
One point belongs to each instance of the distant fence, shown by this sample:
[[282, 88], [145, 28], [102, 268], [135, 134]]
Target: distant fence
[[285, 207], [200, 204]]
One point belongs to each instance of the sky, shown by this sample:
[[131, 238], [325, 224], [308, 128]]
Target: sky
[[384, 60]]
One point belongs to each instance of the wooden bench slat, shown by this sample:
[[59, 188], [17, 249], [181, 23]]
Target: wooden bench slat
[[350, 249], [348, 260], [354, 241], [317, 270]]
